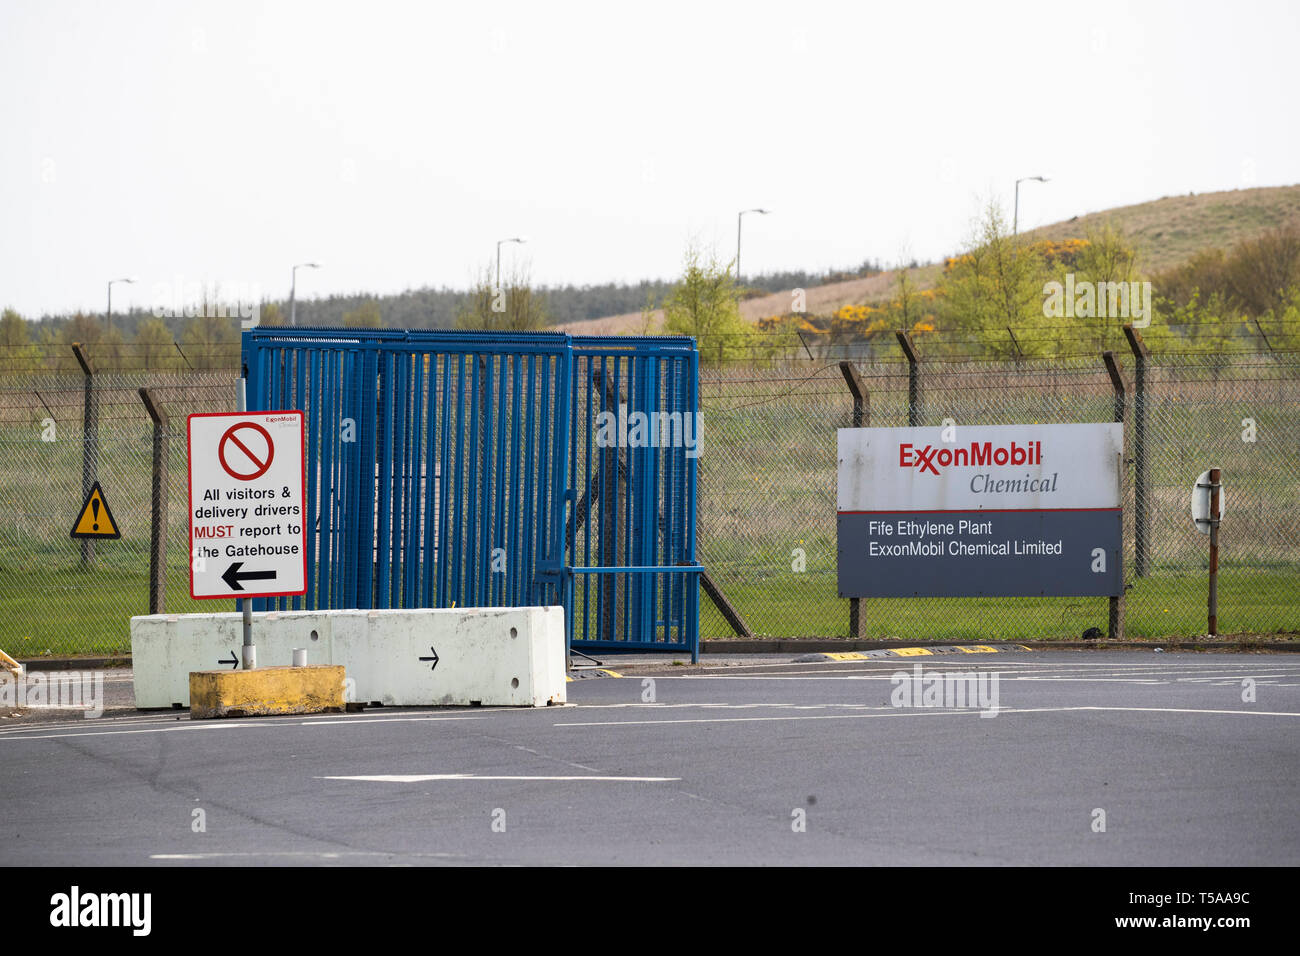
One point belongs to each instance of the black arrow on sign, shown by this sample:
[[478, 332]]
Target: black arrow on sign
[[233, 662], [233, 576], [434, 658]]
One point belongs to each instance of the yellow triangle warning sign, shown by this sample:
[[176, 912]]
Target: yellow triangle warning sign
[[95, 519]]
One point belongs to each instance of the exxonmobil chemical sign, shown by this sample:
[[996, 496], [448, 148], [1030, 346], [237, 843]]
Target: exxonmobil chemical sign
[[999, 510]]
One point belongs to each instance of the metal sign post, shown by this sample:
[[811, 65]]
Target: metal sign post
[[247, 516], [1208, 506], [249, 649], [1214, 551]]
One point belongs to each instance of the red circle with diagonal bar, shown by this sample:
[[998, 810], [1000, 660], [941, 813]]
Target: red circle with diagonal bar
[[246, 452]]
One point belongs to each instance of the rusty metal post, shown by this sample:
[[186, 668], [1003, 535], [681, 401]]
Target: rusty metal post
[[1141, 546], [1115, 615], [913, 377], [861, 419], [158, 511], [89, 442]]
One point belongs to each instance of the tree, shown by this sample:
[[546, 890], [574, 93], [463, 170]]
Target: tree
[[704, 304], [154, 347], [1108, 257], [17, 352], [647, 322], [1263, 272], [270, 313], [102, 345], [516, 308], [211, 341], [366, 316], [995, 287]]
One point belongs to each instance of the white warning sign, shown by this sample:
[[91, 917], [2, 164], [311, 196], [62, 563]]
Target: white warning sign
[[247, 496]]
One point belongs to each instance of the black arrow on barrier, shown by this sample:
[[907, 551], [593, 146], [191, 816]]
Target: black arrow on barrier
[[233, 576], [434, 658], [233, 662]]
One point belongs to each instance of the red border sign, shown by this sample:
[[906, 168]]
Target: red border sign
[[230, 436], [189, 474]]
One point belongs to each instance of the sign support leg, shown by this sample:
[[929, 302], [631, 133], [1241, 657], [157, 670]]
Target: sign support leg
[[249, 649]]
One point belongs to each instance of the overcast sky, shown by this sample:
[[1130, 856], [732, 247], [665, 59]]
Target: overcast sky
[[395, 143]]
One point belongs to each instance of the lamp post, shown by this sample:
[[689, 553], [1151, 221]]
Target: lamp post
[[293, 289], [1015, 222], [739, 219], [108, 322], [518, 239]]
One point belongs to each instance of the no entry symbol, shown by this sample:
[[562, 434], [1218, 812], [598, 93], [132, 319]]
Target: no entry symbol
[[246, 451]]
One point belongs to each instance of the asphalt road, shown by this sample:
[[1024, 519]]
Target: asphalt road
[[722, 767]]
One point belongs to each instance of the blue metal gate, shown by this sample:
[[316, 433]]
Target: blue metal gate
[[496, 469]]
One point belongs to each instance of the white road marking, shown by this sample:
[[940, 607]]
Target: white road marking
[[353, 722], [323, 855], [424, 777], [927, 712], [1196, 710], [1136, 674], [119, 733]]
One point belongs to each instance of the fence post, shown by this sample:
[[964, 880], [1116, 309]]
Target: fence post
[[1115, 617], [158, 519], [861, 419], [913, 378], [1141, 545], [89, 443]]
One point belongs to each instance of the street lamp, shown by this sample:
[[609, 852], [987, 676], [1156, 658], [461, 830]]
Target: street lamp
[[739, 219], [108, 323], [518, 239], [293, 289], [1015, 222]]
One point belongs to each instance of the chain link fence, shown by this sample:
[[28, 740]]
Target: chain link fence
[[766, 512], [59, 596], [767, 522]]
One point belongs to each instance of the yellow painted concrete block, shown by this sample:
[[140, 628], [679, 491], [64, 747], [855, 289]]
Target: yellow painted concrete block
[[266, 691]]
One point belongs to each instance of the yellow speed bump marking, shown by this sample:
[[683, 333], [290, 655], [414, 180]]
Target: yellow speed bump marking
[[592, 672], [847, 656], [977, 649], [914, 652]]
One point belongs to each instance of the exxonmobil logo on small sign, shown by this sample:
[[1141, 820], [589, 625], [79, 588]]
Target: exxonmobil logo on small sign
[[977, 455], [980, 467]]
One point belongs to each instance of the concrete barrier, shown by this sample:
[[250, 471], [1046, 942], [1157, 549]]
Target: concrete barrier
[[266, 691], [489, 656]]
